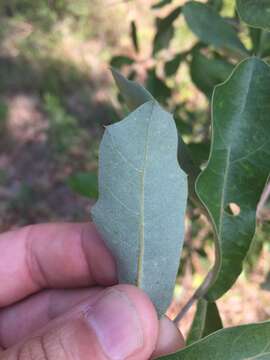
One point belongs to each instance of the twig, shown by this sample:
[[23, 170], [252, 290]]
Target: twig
[[199, 293], [264, 198]]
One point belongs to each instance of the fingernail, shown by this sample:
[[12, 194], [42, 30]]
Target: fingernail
[[116, 323]]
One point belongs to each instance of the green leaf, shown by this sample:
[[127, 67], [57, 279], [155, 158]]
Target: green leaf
[[206, 321], [161, 4], [85, 184], [142, 201], [244, 342], [255, 13], [238, 167], [211, 28], [165, 30], [199, 152], [157, 87], [121, 60], [255, 36], [264, 50], [172, 66], [136, 95], [216, 4], [207, 73], [133, 93], [134, 36]]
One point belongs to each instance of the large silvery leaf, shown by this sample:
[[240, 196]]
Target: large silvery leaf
[[211, 28], [135, 95], [142, 200], [246, 342], [206, 321], [238, 167], [255, 13]]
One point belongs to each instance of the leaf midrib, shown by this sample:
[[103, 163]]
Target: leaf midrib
[[141, 221]]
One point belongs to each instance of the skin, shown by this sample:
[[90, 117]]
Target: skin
[[59, 299]]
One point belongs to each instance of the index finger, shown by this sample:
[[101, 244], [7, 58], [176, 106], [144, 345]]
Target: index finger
[[42, 256]]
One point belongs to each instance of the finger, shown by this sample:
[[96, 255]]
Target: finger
[[170, 339], [122, 324], [52, 256], [20, 320]]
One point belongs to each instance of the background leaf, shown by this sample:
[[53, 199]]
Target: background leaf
[[134, 36], [133, 93], [85, 184], [165, 30], [255, 12], [216, 4], [211, 28], [215, 71], [161, 3], [121, 60], [206, 321], [157, 87], [172, 66], [238, 167], [141, 207], [237, 343]]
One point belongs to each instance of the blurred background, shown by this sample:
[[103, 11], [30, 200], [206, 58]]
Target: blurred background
[[57, 93]]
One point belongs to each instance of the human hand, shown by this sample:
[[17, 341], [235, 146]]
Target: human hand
[[59, 300]]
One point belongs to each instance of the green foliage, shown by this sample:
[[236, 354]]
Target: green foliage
[[231, 183], [255, 12], [238, 167], [215, 71], [236, 343], [3, 116], [206, 321], [84, 183], [63, 127], [220, 34], [165, 30], [141, 207]]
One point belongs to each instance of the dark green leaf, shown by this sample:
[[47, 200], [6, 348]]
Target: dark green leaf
[[121, 60], [141, 207], [165, 30], [266, 284], [134, 36], [161, 4], [199, 152], [244, 342], [255, 13], [157, 87], [264, 50], [211, 28], [172, 66], [216, 4], [207, 73], [255, 35], [85, 184], [206, 321], [133, 93], [238, 167]]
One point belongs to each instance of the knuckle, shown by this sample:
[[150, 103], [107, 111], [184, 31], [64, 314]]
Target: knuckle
[[46, 347]]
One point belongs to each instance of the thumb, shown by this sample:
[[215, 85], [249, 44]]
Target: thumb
[[121, 324]]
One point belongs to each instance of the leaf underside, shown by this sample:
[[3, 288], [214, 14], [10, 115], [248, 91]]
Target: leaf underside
[[141, 206], [237, 170], [246, 342]]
